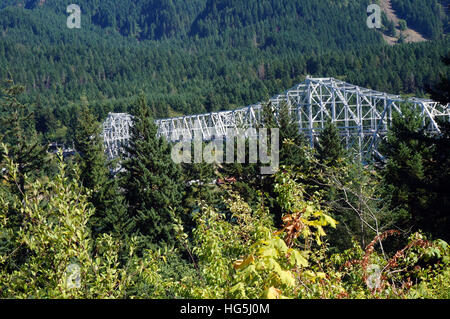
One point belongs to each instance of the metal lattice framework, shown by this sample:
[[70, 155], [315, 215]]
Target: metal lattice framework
[[363, 116], [116, 133]]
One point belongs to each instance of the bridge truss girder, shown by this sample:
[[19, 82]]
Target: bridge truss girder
[[116, 133], [363, 116]]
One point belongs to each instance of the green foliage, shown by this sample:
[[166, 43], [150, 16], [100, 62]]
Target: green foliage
[[390, 28], [417, 173], [89, 145], [402, 25], [110, 209], [264, 262], [422, 15], [292, 148], [235, 255], [330, 149], [18, 132], [151, 180], [61, 262], [301, 233], [441, 90], [311, 218], [401, 275], [260, 49], [293, 262]]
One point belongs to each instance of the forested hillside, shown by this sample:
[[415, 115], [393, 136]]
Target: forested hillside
[[426, 16], [156, 19], [297, 24], [197, 56]]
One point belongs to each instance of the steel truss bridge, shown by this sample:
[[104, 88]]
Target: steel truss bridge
[[363, 117]]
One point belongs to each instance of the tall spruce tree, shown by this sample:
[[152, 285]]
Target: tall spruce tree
[[110, 209], [151, 180], [330, 150], [89, 145], [441, 91], [437, 217], [292, 150], [199, 177], [417, 173], [292, 142], [18, 132]]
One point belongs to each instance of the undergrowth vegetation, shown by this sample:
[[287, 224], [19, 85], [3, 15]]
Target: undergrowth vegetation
[[239, 255]]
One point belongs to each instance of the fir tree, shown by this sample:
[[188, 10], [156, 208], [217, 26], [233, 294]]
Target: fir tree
[[151, 180], [268, 116], [292, 142], [441, 91], [330, 149], [199, 177], [408, 176], [110, 210], [18, 132], [292, 150], [437, 218], [88, 143], [247, 175]]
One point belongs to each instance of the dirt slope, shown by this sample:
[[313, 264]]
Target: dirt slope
[[410, 34]]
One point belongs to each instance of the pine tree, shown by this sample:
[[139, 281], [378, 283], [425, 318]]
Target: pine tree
[[18, 134], [330, 150], [199, 177], [292, 150], [89, 145], [151, 180], [110, 210], [407, 173], [437, 217], [389, 26], [331, 160], [292, 142], [268, 116], [441, 91], [112, 214], [17, 131]]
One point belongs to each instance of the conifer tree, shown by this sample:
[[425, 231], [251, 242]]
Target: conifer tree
[[18, 135], [441, 91], [110, 213], [200, 177], [151, 180], [247, 175], [200, 187], [331, 155], [268, 116], [407, 170], [18, 132], [292, 142], [330, 150], [292, 150], [89, 145], [417, 174], [437, 218]]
